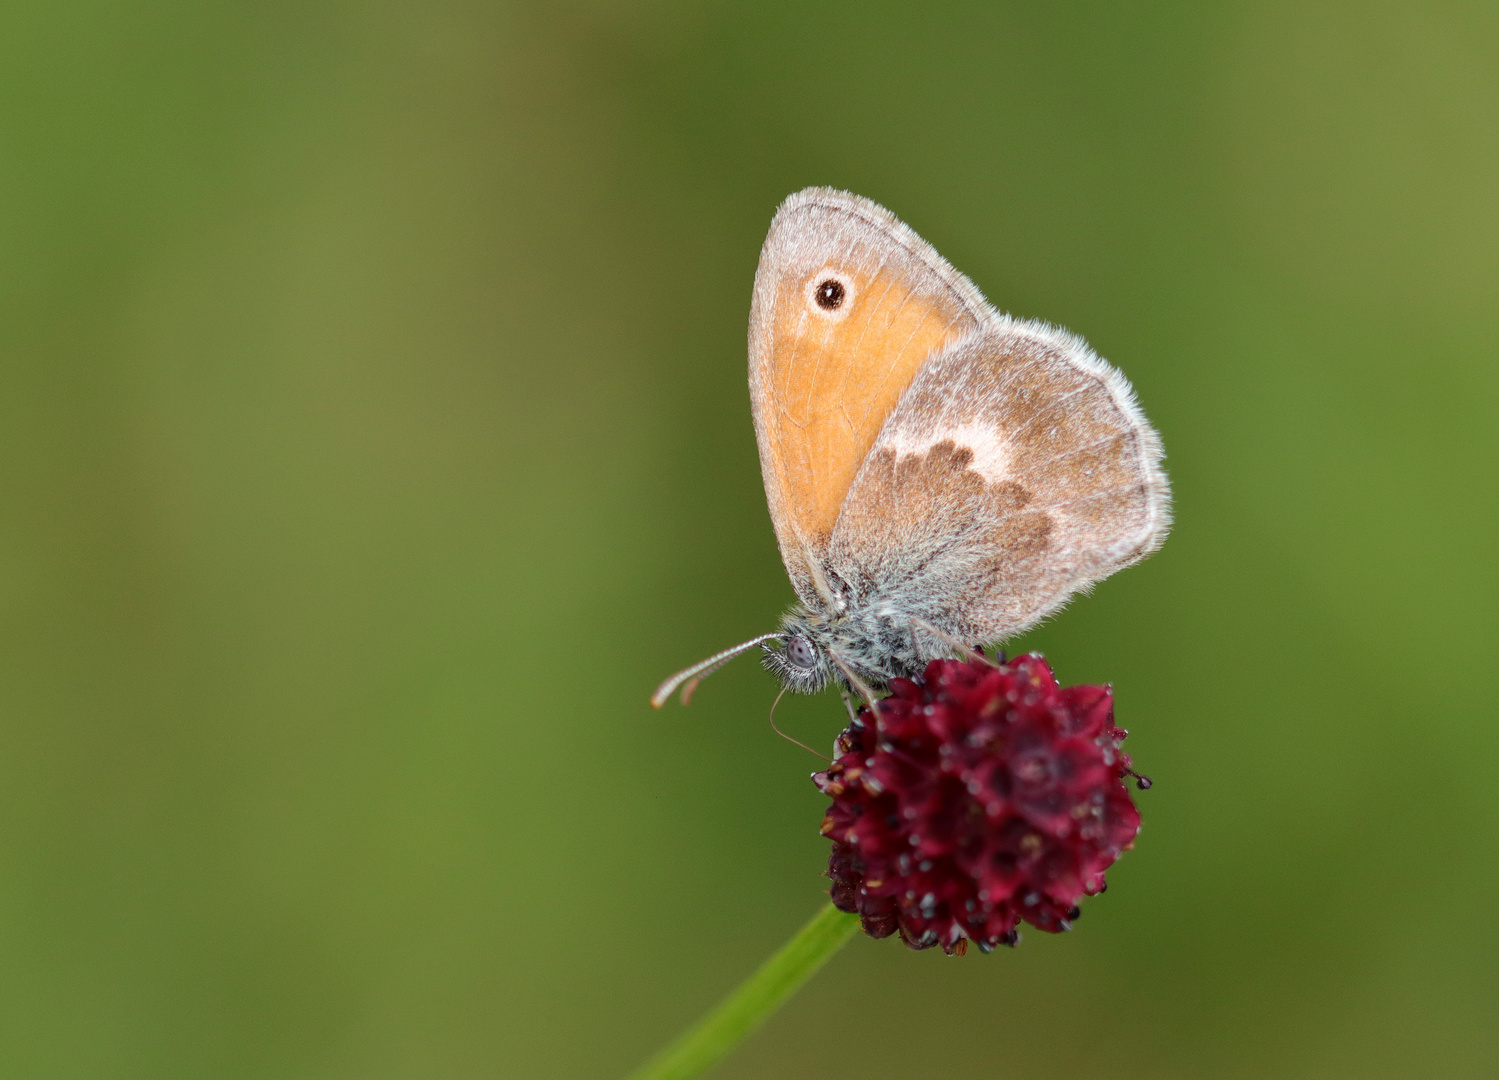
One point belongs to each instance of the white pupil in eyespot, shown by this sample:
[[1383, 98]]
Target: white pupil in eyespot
[[799, 652]]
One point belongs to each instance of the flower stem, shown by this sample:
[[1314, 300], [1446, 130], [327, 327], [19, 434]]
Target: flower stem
[[712, 1037]]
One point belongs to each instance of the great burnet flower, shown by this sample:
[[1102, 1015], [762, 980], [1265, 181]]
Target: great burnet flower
[[980, 796]]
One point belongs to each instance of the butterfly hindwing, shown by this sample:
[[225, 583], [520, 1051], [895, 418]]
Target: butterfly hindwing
[[1015, 471]]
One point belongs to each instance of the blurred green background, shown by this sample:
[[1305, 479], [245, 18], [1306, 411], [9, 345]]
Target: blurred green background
[[374, 436]]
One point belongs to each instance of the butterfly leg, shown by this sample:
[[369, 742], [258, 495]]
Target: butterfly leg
[[848, 703], [858, 684], [969, 651]]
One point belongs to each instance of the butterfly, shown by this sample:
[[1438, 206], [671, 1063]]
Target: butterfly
[[938, 473]]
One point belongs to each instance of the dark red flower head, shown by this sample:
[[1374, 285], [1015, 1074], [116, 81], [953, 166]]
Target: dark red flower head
[[981, 796]]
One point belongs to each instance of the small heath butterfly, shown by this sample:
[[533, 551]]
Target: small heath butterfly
[[939, 473]]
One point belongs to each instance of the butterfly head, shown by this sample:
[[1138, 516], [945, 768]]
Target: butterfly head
[[801, 663]]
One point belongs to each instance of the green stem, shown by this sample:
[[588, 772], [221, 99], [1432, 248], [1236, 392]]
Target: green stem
[[704, 1044]]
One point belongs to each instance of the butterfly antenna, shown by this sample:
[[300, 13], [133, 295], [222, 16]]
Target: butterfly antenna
[[788, 738], [688, 678]]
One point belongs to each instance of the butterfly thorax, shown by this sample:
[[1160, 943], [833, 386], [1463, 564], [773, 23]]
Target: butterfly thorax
[[872, 640]]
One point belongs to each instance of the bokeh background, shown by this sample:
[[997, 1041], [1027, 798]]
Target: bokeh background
[[374, 436]]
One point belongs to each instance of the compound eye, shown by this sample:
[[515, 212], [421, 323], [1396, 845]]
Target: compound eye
[[800, 652]]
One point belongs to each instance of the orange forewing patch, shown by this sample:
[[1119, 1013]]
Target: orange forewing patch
[[833, 383]]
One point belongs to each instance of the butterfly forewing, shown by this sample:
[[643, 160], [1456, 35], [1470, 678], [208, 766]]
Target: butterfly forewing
[[848, 305]]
